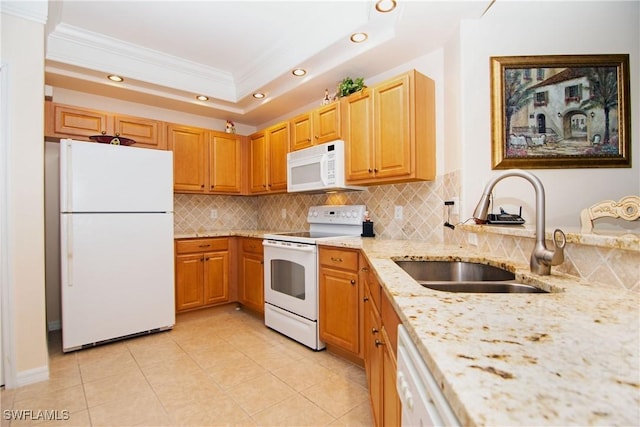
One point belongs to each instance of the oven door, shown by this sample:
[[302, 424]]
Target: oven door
[[291, 277]]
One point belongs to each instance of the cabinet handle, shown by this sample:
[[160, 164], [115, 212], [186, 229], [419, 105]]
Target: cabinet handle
[[374, 331], [334, 259], [379, 343], [212, 186], [365, 269], [308, 139], [269, 185], [204, 246], [370, 170], [264, 185], [317, 137], [202, 259], [375, 170], [353, 282], [202, 186], [365, 299], [207, 259]]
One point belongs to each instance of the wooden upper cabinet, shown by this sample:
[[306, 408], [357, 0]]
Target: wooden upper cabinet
[[268, 159], [258, 162], [146, 132], [390, 133], [316, 127], [278, 143], [189, 158], [65, 121], [224, 163]]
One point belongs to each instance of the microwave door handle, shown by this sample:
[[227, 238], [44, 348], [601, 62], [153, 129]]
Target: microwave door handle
[[323, 169]]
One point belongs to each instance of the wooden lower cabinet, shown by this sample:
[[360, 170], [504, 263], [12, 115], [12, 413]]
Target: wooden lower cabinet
[[251, 274], [202, 273], [380, 342], [339, 299]]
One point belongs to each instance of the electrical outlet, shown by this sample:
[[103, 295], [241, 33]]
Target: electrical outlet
[[398, 212], [283, 213], [455, 209], [214, 214]]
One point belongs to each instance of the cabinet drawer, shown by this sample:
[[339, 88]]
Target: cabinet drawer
[[253, 246], [202, 245], [339, 258]]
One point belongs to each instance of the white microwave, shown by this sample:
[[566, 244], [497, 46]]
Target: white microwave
[[318, 169]]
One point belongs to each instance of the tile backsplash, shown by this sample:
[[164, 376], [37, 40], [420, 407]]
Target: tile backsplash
[[423, 209]]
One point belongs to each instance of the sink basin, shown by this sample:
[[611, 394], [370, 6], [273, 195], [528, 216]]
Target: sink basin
[[461, 276], [484, 287], [454, 271]]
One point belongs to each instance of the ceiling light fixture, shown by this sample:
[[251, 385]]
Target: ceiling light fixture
[[259, 95], [358, 37], [299, 72], [384, 6], [202, 98], [115, 78]]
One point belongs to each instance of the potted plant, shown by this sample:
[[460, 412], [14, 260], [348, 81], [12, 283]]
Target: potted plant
[[349, 86]]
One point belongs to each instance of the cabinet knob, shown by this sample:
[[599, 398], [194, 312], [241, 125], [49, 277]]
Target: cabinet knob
[[370, 170], [353, 282], [365, 299], [202, 186], [317, 137], [379, 343], [308, 139], [375, 170], [374, 331], [264, 185], [365, 269]]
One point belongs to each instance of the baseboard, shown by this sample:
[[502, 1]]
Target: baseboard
[[31, 376], [54, 325]]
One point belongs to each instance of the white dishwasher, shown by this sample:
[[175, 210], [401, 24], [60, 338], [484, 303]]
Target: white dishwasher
[[423, 403]]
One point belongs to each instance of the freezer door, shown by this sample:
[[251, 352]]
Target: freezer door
[[117, 276], [112, 178]]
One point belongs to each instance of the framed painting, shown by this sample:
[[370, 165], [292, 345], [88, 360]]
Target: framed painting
[[568, 111]]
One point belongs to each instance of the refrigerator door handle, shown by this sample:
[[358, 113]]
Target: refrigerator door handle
[[69, 249], [69, 184]]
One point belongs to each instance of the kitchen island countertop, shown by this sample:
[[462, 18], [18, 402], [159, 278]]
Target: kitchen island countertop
[[569, 357]]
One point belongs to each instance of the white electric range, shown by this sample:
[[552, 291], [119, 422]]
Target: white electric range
[[291, 271]]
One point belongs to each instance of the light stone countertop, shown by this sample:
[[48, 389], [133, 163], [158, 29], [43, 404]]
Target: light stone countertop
[[569, 357]]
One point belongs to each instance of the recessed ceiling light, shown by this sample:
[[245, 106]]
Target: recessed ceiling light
[[385, 6], [259, 95], [358, 37], [202, 98], [299, 72], [115, 78]]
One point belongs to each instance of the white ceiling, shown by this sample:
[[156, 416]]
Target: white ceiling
[[170, 51]]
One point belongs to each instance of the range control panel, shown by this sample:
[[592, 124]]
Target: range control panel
[[341, 214]]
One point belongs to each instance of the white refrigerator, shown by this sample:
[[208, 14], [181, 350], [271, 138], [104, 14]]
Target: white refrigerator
[[116, 235]]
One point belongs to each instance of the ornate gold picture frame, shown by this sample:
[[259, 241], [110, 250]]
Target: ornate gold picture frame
[[567, 111]]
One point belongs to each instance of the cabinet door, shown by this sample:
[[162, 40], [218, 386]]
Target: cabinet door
[[252, 281], [216, 277], [391, 405], [78, 123], [301, 132], [373, 357], [326, 123], [189, 277], [146, 132], [278, 143], [357, 118], [339, 308], [258, 162], [392, 133], [224, 163], [189, 158]]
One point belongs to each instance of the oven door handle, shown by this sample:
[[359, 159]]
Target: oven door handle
[[292, 247]]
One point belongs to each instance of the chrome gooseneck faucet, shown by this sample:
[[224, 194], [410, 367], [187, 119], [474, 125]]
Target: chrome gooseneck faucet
[[541, 258]]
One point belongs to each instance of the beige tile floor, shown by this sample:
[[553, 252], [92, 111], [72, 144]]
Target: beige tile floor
[[219, 366]]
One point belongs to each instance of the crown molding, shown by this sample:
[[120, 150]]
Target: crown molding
[[31, 10], [86, 49]]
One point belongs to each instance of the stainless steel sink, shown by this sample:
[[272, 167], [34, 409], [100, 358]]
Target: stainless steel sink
[[484, 287], [461, 276]]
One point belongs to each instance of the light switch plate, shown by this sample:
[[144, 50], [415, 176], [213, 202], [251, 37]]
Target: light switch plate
[[214, 214], [283, 213], [398, 212]]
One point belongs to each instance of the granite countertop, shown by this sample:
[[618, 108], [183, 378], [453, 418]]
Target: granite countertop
[[569, 357]]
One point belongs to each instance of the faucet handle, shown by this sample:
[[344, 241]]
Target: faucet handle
[[559, 241]]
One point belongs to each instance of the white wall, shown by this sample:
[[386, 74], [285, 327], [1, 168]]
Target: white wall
[[544, 28], [23, 53]]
